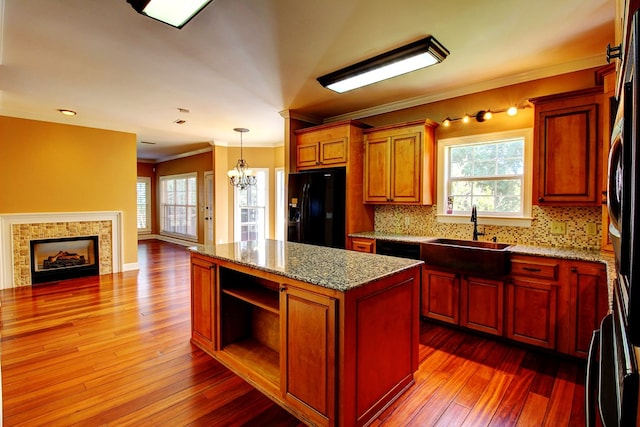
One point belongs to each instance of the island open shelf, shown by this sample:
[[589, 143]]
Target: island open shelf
[[250, 322]]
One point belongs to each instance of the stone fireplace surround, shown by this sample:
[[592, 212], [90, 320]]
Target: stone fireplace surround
[[16, 231]]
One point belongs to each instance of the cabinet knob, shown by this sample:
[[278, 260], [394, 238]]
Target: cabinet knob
[[574, 270], [283, 288], [541, 199]]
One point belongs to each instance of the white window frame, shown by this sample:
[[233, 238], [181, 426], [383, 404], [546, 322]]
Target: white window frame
[[522, 220], [237, 209], [146, 181], [162, 203]]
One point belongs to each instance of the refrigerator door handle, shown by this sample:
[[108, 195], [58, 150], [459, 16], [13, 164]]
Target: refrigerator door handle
[[304, 208]]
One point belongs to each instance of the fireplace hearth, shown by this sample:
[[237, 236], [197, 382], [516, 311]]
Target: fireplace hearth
[[63, 258]]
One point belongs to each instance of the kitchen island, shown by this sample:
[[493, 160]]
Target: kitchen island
[[328, 334]]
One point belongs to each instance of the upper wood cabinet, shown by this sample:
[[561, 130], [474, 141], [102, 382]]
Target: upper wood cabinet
[[398, 163], [567, 149], [327, 145]]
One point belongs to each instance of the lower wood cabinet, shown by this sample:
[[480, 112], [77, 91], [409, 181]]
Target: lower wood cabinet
[[531, 312], [482, 304], [590, 303], [440, 296], [473, 302], [546, 302]]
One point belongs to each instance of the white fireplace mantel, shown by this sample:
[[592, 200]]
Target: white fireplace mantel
[[6, 241]]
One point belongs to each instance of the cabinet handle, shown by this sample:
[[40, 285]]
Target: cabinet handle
[[532, 269], [283, 288]]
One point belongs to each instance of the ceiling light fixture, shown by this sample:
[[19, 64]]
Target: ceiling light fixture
[[419, 54], [241, 176], [172, 12], [67, 112]]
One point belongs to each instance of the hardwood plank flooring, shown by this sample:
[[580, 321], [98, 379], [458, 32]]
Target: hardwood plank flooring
[[115, 350]]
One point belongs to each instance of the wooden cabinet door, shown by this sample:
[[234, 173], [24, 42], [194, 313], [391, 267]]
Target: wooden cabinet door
[[202, 302], [482, 305], [440, 296], [568, 151], [590, 302], [376, 169], [531, 312], [333, 152], [308, 375], [405, 186], [308, 155]]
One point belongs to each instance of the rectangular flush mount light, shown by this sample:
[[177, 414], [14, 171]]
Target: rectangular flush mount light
[[173, 12], [416, 55]]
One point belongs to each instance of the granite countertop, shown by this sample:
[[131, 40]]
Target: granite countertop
[[331, 268], [566, 253]]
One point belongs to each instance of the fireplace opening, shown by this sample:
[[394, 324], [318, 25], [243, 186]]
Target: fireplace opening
[[63, 258]]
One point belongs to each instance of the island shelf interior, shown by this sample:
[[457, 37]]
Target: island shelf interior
[[250, 322]]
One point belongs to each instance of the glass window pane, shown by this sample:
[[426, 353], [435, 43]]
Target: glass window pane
[[492, 174]]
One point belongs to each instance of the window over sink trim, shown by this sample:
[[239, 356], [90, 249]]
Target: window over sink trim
[[522, 218]]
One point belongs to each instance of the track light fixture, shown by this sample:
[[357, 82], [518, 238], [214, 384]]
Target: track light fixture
[[484, 115], [173, 12], [419, 54]]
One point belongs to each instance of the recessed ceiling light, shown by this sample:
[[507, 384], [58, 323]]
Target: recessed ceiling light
[[147, 142], [180, 121], [67, 112], [184, 110]]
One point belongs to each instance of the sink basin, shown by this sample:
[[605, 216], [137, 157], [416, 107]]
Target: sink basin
[[467, 256]]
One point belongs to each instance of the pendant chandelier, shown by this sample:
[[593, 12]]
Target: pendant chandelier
[[241, 176]]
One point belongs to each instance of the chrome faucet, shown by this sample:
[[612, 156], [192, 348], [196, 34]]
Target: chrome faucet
[[474, 220]]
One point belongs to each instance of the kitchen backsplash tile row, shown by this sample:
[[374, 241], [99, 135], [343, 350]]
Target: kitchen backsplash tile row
[[422, 220]]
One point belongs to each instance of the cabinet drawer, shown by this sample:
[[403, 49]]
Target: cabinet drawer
[[363, 245], [544, 268]]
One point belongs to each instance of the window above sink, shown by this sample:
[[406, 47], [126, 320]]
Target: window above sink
[[492, 171]]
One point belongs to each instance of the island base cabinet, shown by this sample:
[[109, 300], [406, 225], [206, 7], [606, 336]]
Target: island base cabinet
[[308, 361], [531, 312], [329, 357], [202, 302]]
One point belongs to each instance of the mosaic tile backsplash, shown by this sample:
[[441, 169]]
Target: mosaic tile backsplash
[[422, 221]]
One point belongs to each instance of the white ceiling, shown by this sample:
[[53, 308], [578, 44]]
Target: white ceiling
[[239, 63]]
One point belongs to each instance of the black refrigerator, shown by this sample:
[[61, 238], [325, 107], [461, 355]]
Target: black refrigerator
[[317, 207]]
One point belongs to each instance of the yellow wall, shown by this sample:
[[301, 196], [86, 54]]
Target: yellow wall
[[50, 167], [199, 163], [225, 159]]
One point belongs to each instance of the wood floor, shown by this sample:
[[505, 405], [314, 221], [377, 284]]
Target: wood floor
[[114, 350]]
